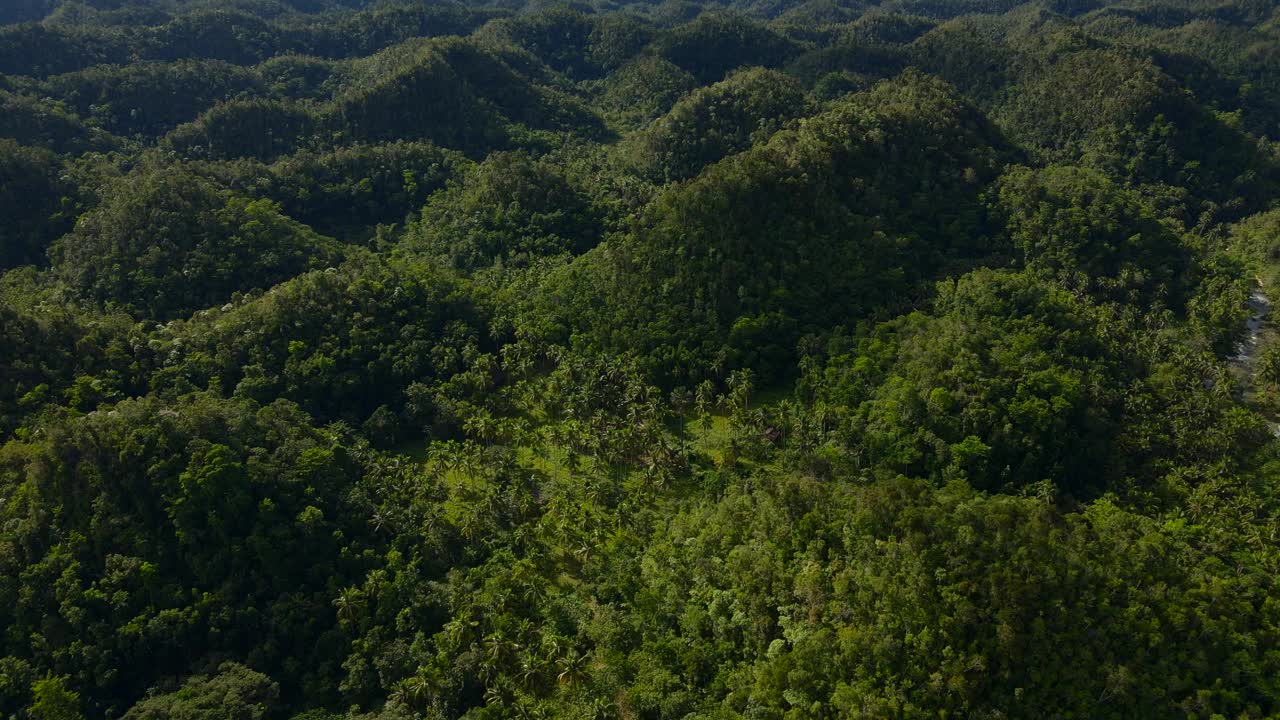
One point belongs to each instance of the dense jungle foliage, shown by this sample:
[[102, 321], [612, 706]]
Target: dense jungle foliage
[[636, 359]]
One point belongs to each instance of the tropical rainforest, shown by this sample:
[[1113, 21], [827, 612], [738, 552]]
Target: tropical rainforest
[[639, 359]]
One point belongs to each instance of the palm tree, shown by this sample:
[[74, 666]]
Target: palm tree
[[681, 399], [349, 604], [530, 673], [499, 694], [495, 652], [740, 387], [573, 668], [380, 520], [705, 398], [413, 692], [482, 426]]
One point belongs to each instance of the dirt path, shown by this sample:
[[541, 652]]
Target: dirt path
[[1259, 314], [1246, 357]]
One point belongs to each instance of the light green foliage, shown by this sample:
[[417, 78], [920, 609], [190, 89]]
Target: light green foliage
[[234, 693], [1257, 239], [53, 701], [935, 601]]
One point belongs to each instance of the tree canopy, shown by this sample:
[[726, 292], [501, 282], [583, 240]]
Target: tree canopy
[[630, 360]]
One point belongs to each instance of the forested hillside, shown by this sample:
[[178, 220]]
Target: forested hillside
[[621, 360]]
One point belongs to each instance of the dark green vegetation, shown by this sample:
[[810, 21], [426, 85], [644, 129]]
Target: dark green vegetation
[[756, 359]]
